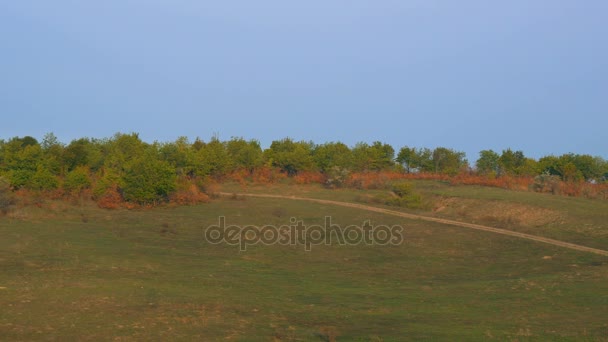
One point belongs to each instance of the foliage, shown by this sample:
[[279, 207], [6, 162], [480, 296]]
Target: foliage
[[290, 156], [115, 165], [187, 193], [336, 177], [20, 160], [212, 159], [375, 157], [546, 182], [405, 196], [332, 155], [575, 167], [148, 180], [488, 163], [43, 180], [415, 160], [244, 154], [77, 180], [448, 161], [7, 199]]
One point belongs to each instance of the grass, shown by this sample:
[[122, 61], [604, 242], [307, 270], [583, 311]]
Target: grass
[[577, 220], [81, 273]]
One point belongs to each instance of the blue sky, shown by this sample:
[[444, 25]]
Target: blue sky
[[468, 75]]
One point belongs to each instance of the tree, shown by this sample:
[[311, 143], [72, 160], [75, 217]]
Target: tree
[[77, 180], [244, 154], [416, 160], [330, 155], [149, 180], [406, 157], [511, 162], [180, 155], [573, 167], [375, 157], [52, 154], [488, 162], [121, 152], [212, 159], [42, 180], [21, 157], [291, 157], [448, 161]]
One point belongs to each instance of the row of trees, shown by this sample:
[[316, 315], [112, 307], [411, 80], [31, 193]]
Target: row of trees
[[143, 172]]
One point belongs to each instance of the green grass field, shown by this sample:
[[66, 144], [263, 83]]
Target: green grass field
[[82, 273]]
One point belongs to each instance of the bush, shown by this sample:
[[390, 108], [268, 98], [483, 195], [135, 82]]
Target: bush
[[110, 199], [7, 199], [188, 193], [149, 181], [336, 177], [546, 183], [77, 180], [404, 196], [42, 180]]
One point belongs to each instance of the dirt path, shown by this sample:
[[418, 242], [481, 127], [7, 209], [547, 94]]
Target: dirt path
[[433, 219]]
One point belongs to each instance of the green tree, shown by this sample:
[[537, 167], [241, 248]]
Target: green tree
[[573, 167], [244, 154], [77, 180], [291, 157], [52, 154], [448, 161], [416, 160], [180, 155], [43, 179], [148, 180], [488, 162], [212, 159], [511, 162], [375, 157], [21, 157], [330, 155]]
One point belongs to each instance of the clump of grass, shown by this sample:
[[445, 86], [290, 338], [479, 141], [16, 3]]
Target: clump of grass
[[402, 195]]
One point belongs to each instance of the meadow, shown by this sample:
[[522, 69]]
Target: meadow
[[78, 272]]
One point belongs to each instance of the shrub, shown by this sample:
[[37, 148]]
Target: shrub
[[188, 193], [110, 199], [546, 182], [267, 175], [308, 177], [42, 180], [336, 177], [149, 181], [7, 199], [77, 180], [405, 196]]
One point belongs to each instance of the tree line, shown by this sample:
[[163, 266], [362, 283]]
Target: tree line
[[144, 173]]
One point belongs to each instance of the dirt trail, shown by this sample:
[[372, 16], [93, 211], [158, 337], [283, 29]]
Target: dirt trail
[[433, 219]]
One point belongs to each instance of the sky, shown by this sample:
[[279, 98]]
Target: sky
[[468, 75]]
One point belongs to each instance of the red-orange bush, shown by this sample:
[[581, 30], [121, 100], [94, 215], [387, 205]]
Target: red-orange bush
[[110, 199], [189, 196], [308, 177], [266, 175], [240, 176]]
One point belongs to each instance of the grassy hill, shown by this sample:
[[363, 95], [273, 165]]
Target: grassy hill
[[79, 272]]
